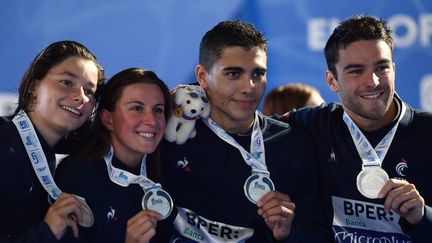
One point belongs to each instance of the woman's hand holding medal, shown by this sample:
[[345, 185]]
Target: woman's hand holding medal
[[64, 212], [142, 226], [277, 209], [404, 199]]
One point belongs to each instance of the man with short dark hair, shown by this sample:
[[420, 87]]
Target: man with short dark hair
[[244, 177], [371, 136]]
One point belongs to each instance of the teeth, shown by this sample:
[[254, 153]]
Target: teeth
[[146, 134], [371, 96], [76, 112]]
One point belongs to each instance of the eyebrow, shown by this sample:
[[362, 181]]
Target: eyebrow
[[385, 61], [239, 69], [142, 103], [70, 74], [351, 66], [135, 102], [380, 62], [76, 77], [261, 69]]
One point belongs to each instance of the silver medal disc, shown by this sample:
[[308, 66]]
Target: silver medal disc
[[371, 180], [158, 200], [257, 185], [87, 215]]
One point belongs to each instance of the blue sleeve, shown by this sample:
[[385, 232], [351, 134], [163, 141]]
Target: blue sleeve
[[301, 234], [301, 117], [310, 223], [38, 234], [421, 232], [84, 236], [67, 179]]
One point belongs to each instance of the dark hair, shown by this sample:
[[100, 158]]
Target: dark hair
[[97, 136], [356, 28], [287, 97], [48, 58], [228, 34]]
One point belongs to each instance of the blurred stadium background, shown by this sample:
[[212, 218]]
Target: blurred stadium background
[[164, 36]]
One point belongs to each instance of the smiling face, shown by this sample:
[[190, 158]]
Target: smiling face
[[235, 85], [64, 98], [137, 124], [365, 83]]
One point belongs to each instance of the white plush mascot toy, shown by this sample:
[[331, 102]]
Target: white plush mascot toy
[[191, 103]]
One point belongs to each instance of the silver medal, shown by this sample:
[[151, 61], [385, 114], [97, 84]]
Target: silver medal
[[158, 200], [257, 185], [87, 215], [371, 180]]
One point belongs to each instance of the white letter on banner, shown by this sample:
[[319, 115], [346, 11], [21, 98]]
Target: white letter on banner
[[426, 92], [401, 20], [319, 29], [425, 29]]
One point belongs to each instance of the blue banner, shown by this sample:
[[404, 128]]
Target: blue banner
[[164, 36]]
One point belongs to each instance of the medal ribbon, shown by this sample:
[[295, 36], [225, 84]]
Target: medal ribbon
[[256, 158], [124, 178], [35, 153], [369, 155]]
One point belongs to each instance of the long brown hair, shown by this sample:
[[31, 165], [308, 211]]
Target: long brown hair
[[48, 58], [98, 137]]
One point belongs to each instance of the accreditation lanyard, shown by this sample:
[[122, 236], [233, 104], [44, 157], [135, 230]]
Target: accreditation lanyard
[[35, 153], [124, 178], [372, 156], [256, 158]]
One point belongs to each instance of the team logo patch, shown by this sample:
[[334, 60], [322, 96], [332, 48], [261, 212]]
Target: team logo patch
[[401, 168], [332, 159], [183, 165], [285, 115], [111, 216]]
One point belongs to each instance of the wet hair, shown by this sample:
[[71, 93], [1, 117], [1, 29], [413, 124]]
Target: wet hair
[[228, 34], [286, 98], [48, 58], [356, 28], [98, 136]]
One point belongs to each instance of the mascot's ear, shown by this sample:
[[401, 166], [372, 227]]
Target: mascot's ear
[[206, 111], [180, 95]]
